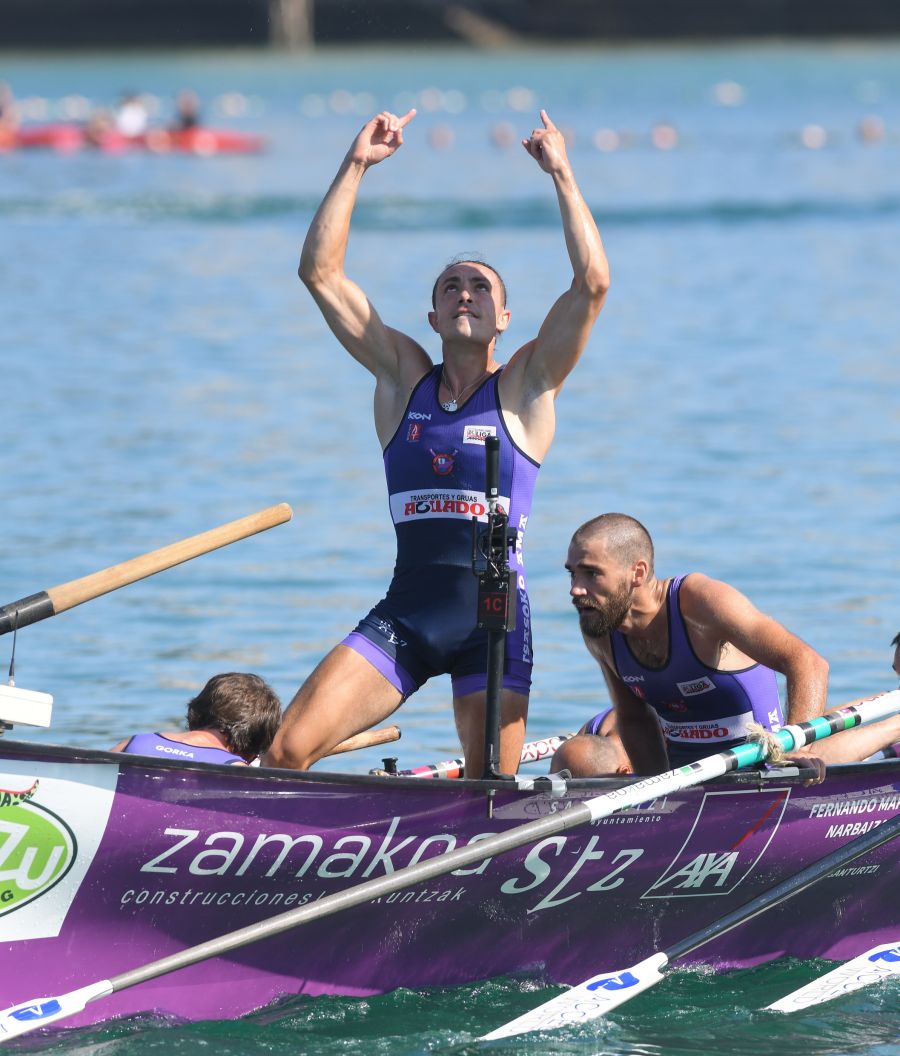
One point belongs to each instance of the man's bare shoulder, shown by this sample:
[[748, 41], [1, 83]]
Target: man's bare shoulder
[[409, 362], [700, 594]]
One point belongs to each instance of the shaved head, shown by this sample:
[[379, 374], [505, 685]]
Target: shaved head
[[589, 755], [626, 539]]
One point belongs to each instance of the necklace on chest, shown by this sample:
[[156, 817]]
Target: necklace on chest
[[452, 404]]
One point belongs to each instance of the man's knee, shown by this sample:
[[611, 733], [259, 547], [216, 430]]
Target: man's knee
[[289, 750]]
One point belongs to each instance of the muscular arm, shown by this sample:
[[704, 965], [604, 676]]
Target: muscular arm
[[540, 367], [395, 359], [716, 608], [637, 727]]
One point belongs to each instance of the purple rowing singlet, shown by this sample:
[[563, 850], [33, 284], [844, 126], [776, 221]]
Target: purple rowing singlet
[[161, 747], [698, 705], [435, 470]]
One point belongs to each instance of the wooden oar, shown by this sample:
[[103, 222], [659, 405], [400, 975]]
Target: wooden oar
[[30, 1015], [873, 966], [367, 739], [57, 599], [602, 993]]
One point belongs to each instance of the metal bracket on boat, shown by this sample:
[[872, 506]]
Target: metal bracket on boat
[[24, 707], [555, 784]]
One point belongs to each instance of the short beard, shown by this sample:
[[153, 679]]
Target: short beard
[[599, 620]]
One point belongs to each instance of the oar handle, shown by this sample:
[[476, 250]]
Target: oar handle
[[57, 599], [368, 739]]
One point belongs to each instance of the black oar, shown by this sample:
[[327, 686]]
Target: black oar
[[32, 1014], [602, 993], [57, 599]]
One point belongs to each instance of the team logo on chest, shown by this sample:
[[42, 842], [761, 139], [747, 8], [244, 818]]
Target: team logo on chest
[[443, 462], [414, 432]]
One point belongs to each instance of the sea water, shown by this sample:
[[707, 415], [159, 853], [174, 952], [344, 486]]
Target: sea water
[[163, 372]]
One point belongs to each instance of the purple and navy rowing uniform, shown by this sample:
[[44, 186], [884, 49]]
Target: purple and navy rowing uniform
[[435, 470], [157, 745], [699, 707], [597, 721]]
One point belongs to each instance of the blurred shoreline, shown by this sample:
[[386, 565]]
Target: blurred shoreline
[[487, 24]]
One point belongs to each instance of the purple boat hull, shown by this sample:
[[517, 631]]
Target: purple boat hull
[[109, 862]]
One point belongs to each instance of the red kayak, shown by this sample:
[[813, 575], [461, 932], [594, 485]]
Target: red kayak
[[66, 138], [203, 141]]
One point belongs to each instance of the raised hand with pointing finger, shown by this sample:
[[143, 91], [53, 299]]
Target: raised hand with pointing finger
[[379, 138], [547, 146]]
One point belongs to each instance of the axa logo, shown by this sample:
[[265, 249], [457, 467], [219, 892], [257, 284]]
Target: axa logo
[[37, 849], [703, 873]]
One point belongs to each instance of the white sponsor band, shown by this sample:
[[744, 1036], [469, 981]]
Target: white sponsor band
[[409, 506], [728, 728]]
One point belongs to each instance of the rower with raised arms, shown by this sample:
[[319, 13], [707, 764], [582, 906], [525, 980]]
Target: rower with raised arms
[[432, 421]]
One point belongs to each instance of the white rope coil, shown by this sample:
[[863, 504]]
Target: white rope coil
[[772, 746]]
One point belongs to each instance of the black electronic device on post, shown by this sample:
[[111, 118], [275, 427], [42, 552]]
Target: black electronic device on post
[[496, 614]]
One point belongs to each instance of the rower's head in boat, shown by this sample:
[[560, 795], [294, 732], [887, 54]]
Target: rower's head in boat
[[594, 752], [896, 644], [610, 558], [242, 708]]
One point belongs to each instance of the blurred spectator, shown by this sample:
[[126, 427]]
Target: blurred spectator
[[98, 127], [187, 111], [9, 117], [870, 129], [664, 136], [131, 115]]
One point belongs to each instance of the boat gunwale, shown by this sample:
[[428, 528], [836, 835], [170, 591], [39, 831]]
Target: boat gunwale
[[526, 786]]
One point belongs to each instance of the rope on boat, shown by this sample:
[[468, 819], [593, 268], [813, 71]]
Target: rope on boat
[[768, 740]]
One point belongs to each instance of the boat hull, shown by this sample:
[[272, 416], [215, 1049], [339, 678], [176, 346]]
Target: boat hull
[[66, 138], [112, 861]]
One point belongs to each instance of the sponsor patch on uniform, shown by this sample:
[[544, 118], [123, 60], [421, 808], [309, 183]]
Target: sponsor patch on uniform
[[414, 432], [416, 505], [695, 686], [477, 434]]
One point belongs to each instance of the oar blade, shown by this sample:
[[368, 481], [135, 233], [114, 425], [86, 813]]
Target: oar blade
[[881, 962], [589, 1000], [39, 1012]]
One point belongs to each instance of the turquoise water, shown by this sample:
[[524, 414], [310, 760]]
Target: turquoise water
[[165, 372]]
